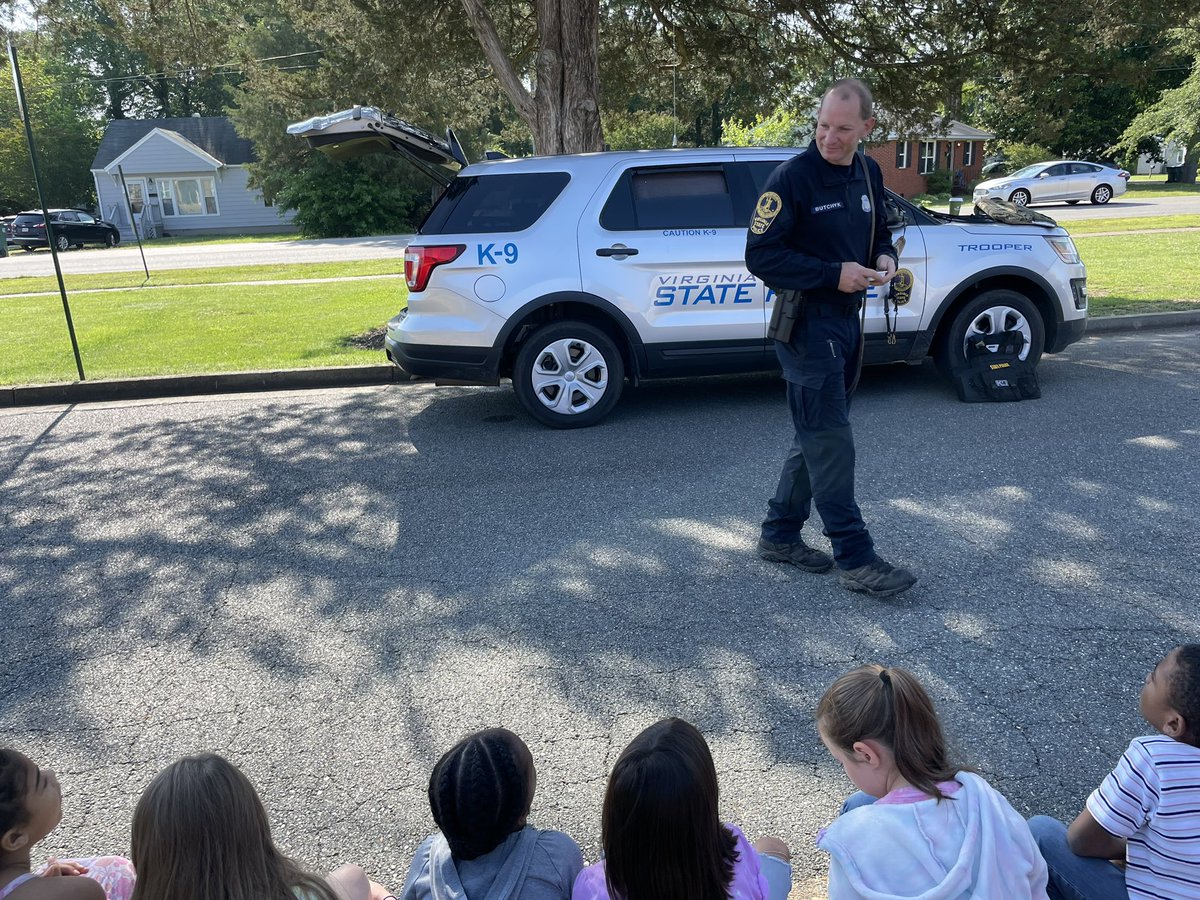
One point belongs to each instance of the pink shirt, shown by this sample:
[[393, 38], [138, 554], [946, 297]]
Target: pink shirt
[[748, 882]]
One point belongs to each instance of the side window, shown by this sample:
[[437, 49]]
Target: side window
[[487, 204], [66, 217], [1059, 170], [670, 197], [1084, 169], [85, 219]]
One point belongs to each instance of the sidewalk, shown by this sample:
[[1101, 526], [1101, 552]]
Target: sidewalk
[[347, 376]]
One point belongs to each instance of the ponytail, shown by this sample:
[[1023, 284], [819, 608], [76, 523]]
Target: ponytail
[[890, 706]]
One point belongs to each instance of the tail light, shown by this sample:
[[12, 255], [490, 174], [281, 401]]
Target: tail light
[[1124, 174], [419, 263]]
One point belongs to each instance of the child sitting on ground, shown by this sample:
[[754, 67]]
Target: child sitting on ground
[[919, 826], [480, 794], [200, 833], [31, 808], [663, 838], [1147, 811]]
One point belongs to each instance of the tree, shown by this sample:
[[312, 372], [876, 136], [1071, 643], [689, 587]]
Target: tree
[[1175, 116], [66, 136]]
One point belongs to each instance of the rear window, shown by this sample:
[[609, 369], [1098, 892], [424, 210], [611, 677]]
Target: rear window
[[28, 220], [486, 204], [675, 197]]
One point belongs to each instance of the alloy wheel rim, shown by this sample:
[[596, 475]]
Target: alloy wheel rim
[[569, 376], [996, 319]]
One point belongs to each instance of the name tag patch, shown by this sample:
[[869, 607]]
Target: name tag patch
[[828, 207]]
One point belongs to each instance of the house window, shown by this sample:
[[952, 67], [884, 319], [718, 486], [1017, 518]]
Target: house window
[[969, 153], [928, 157], [188, 196], [903, 149]]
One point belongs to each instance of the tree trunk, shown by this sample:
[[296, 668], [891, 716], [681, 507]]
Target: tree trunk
[[563, 112]]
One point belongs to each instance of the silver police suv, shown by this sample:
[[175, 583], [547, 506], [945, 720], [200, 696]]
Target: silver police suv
[[574, 274]]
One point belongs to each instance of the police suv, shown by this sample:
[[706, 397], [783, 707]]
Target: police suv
[[572, 274]]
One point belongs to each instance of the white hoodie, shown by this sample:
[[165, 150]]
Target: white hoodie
[[973, 845]]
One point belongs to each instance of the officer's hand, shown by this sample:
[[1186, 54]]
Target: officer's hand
[[856, 278], [886, 264]]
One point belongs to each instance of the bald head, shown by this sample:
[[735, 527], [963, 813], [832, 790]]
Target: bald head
[[852, 90]]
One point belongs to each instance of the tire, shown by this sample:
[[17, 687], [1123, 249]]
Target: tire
[[1102, 194], [569, 375], [111, 240], [62, 243], [1072, 202], [27, 249], [991, 312], [1020, 197]]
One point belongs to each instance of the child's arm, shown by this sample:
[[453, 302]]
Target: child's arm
[[1086, 837]]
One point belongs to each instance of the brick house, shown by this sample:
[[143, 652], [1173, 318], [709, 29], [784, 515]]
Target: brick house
[[948, 144]]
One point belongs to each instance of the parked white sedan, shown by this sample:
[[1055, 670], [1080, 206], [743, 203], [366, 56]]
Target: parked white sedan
[[1058, 181]]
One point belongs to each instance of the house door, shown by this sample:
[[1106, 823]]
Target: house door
[[137, 194]]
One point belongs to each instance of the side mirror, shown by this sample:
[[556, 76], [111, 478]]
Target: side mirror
[[1043, 174]]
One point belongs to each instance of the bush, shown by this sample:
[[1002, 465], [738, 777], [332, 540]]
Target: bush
[[939, 181], [1019, 155], [780, 129], [356, 197], [640, 130]]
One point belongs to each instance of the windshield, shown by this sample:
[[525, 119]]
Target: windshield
[[1028, 170]]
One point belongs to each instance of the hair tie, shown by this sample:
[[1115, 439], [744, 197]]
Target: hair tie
[[885, 677]]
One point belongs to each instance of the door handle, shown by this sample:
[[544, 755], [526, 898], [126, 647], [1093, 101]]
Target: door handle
[[616, 251]]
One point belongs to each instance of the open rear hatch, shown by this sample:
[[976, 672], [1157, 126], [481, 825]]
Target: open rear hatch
[[367, 129]]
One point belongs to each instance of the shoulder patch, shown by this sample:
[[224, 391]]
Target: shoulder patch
[[765, 212]]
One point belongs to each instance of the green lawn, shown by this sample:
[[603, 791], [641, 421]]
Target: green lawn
[[190, 330], [30, 285], [1150, 186], [1078, 227], [1133, 273]]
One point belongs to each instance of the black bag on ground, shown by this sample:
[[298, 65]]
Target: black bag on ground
[[995, 372]]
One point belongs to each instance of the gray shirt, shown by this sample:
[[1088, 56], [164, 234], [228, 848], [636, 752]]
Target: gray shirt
[[529, 864]]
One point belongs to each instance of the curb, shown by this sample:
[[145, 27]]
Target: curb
[[1143, 322], [349, 376], [184, 385]]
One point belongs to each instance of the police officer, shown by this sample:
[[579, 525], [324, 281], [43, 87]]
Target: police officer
[[810, 232]]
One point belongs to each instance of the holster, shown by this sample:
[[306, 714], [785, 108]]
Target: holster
[[783, 317]]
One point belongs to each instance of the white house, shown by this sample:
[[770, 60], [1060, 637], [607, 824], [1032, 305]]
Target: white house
[[184, 176], [1173, 155]]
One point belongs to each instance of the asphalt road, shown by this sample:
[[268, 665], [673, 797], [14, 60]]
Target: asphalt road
[[331, 586], [126, 258]]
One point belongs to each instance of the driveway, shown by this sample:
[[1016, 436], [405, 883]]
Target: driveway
[[126, 257], [332, 586]]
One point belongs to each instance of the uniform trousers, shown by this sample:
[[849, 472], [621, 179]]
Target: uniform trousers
[[820, 364]]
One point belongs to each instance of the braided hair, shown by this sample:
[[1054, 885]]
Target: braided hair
[[14, 785], [1184, 690], [479, 791]]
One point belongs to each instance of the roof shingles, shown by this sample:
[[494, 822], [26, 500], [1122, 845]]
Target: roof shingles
[[212, 134]]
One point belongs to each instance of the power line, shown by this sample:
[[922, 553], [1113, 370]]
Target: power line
[[216, 71]]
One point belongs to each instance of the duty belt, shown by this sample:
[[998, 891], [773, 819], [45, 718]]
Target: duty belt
[[818, 310]]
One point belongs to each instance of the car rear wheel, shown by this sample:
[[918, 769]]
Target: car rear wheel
[[1020, 197], [1102, 194], [110, 240], [62, 243], [991, 313], [569, 375]]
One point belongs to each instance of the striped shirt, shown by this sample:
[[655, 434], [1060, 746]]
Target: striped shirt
[[1152, 799]]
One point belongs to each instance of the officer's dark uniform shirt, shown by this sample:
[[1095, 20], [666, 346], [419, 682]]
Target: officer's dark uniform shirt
[[813, 216]]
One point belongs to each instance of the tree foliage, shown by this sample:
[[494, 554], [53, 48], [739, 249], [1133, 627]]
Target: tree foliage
[[65, 134], [1175, 115], [369, 195]]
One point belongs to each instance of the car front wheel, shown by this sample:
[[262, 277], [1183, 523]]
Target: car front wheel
[[569, 375], [991, 313], [110, 240], [1020, 197], [1102, 194]]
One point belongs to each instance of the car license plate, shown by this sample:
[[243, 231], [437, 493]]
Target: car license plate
[[24, 230]]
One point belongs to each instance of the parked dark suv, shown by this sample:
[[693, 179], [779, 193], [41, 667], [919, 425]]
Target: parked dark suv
[[71, 228]]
